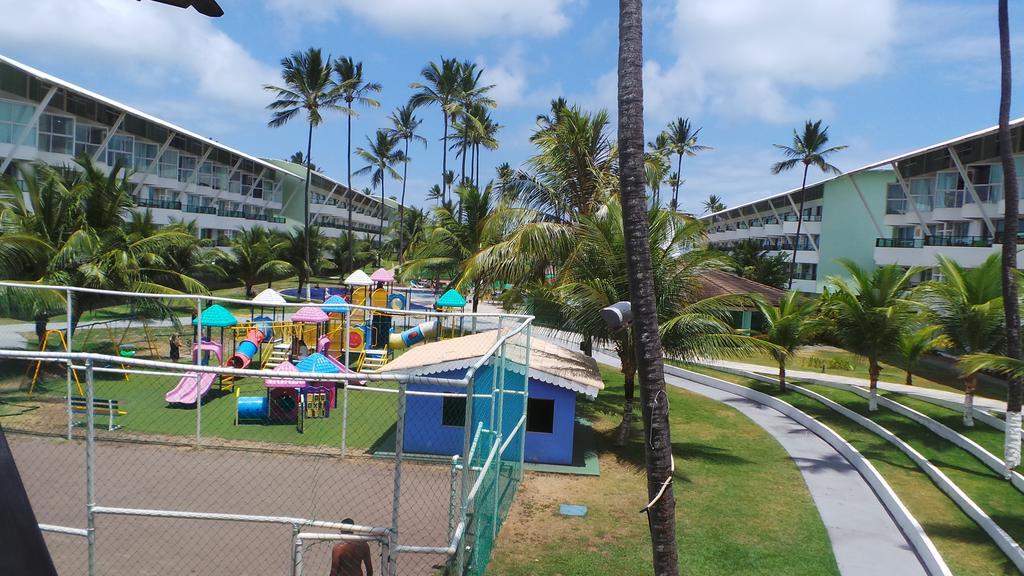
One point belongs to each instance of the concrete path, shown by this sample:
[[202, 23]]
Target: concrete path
[[865, 539], [956, 397]]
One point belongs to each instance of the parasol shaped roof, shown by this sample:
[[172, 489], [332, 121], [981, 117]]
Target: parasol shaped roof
[[217, 316], [382, 275], [358, 278], [269, 297], [451, 299], [311, 314], [285, 366]]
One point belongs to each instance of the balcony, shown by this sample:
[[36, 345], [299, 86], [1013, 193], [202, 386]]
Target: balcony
[[231, 213], [163, 204], [959, 241], [968, 251], [811, 224], [201, 209], [899, 243]]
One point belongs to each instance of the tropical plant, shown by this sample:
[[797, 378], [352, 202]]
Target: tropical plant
[[300, 159], [807, 149], [253, 258], [870, 311], [790, 325], [656, 166], [713, 204], [381, 156], [295, 244], [442, 85], [682, 141], [404, 124], [308, 89], [913, 344], [968, 305], [751, 261], [1015, 387], [353, 90], [411, 231], [363, 255]]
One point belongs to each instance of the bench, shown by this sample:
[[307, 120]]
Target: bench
[[100, 406]]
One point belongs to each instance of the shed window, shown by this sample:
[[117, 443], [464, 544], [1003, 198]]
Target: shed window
[[453, 411], [540, 415]]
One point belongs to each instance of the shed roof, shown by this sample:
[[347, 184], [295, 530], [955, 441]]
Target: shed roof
[[318, 363], [309, 314], [720, 283], [285, 366], [549, 362], [382, 275], [217, 316], [269, 297], [335, 305], [358, 278], [451, 299]]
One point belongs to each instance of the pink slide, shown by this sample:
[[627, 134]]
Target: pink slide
[[185, 391], [193, 382]]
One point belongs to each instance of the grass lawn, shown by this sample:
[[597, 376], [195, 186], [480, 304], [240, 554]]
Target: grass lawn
[[930, 373], [729, 522], [966, 548]]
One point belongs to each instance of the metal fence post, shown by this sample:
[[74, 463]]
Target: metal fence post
[[344, 417], [198, 345], [346, 340], [90, 467], [296, 550], [526, 399], [500, 401], [396, 496], [70, 374]]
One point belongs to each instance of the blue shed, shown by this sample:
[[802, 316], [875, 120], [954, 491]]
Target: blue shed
[[435, 423]]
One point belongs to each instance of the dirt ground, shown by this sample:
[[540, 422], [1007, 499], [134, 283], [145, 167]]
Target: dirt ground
[[220, 480]]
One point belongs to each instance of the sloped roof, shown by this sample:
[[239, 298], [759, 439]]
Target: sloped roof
[[335, 305], [269, 297], [285, 366], [217, 316], [318, 363], [309, 314], [549, 362], [358, 278], [382, 275], [720, 283], [451, 299]]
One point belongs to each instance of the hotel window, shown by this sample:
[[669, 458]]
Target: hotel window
[[220, 177], [540, 415], [14, 118], [120, 148], [206, 174], [56, 134], [257, 188], [144, 155], [186, 168], [88, 138], [235, 183], [453, 411], [169, 164]]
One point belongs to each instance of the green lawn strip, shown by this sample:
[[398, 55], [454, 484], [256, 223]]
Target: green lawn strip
[[725, 466], [987, 437], [963, 544]]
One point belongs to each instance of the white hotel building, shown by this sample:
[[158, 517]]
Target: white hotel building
[[176, 173]]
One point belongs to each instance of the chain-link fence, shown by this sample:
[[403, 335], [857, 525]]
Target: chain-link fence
[[140, 460]]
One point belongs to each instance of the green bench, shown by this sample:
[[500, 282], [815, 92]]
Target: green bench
[[100, 407]]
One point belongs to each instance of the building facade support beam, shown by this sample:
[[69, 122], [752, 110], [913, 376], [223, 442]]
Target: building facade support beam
[[910, 199], [156, 162], [102, 149], [867, 208], [969, 186], [32, 123]]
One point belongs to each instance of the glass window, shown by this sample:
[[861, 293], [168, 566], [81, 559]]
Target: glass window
[[56, 134], [540, 415], [88, 138], [921, 191], [121, 148], [206, 174], [169, 164], [144, 155], [453, 411], [186, 168], [235, 184], [14, 118]]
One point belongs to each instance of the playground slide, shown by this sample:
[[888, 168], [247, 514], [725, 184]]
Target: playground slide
[[247, 349], [185, 391]]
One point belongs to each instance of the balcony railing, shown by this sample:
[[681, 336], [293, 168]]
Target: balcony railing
[[964, 241], [999, 237], [231, 213], [808, 218], [898, 243], [165, 204], [201, 209]]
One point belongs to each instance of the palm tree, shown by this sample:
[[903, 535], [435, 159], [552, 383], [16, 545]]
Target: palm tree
[[307, 87], [362, 256], [713, 204], [656, 166], [253, 258], [354, 90], [790, 325], [294, 245], [870, 313], [913, 344], [751, 261], [381, 156], [412, 231], [300, 159], [682, 141], [807, 149], [404, 124], [1015, 388], [442, 86], [660, 466], [968, 305]]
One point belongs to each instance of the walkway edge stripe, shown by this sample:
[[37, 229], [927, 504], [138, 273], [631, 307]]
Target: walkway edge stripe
[[1003, 540], [912, 530], [987, 458]]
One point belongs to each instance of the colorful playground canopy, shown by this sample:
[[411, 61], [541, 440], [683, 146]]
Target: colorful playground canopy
[[269, 297], [358, 278], [335, 305], [451, 299], [382, 275], [217, 316], [310, 314], [318, 363], [285, 366]]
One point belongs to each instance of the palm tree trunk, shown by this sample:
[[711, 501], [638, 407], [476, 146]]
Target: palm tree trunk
[[348, 184], [463, 154], [625, 430], [1014, 389], [782, 376], [477, 156], [799, 224], [661, 509], [679, 180], [401, 207], [970, 385], [910, 376], [305, 204], [444, 157], [873, 371]]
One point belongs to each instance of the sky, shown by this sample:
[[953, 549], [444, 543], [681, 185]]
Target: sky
[[886, 76]]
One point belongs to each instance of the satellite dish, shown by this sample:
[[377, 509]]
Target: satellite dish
[[206, 7]]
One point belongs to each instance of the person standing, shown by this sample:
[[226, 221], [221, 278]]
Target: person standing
[[349, 558], [174, 344]]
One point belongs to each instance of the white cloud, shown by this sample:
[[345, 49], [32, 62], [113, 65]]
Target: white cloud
[[510, 77], [467, 19], [750, 58], [150, 44]]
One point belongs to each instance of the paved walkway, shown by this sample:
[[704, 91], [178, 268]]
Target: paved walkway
[[865, 539], [956, 397]]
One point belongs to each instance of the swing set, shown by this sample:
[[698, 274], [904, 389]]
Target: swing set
[[39, 363]]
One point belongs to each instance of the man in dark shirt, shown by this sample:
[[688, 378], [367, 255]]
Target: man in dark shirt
[[348, 558]]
